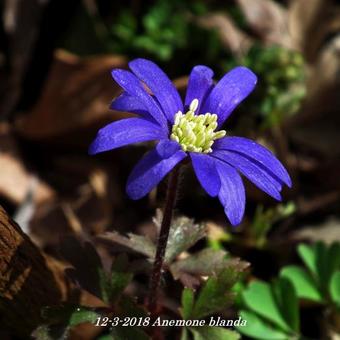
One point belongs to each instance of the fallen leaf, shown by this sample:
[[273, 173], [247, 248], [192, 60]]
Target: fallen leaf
[[231, 37], [323, 94], [16, 181], [78, 92], [268, 19], [327, 231], [310, 23]]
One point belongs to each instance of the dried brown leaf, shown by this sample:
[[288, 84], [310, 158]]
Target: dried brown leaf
[[231, 37], [324, 82], [315, 129], [78, 92], [16, 181], [268, 19], [91, 215], [310, 22], [327, 231]]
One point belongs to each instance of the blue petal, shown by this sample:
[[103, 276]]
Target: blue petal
[[131, 84], [127, 103], [199, 85], [166, 148], [205, 170], [160, 85], [256, 152], [255, 173], [229, 92], [232, 194], [149, 171], [124, 132]]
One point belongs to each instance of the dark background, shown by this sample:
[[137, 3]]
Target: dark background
[[55, 89]]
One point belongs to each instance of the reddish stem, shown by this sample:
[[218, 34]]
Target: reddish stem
[[152, 302]]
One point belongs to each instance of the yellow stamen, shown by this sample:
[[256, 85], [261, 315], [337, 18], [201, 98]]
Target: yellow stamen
[[196, 133]]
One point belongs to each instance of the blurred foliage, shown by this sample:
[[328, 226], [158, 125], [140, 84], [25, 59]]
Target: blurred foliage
[[217, 239], [163, 29], [167, 33], [272, 310], [164, 32], [281, 83], [264, 220], [261, 223], [319, 281], [213, 333]]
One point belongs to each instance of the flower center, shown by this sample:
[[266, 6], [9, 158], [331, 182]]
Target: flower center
[[195, 133]]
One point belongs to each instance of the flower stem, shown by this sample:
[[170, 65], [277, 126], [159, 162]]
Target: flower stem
[[162, 241]]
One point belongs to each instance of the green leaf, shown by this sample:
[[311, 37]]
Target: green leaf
[[184, 334], [259, 298], [82, 315], [333, 260], [183, 234], [129, 307], [119, 281], [308, 256], [316, 259], [187, 303], [321, 252], [104, 284], [70, 314], [303, 283], [124, 333], [105, 337], [214, 333], [257, 328], [120, 277], [322, 262], [334, 288], [215, 294], [287, 300], [112, 286], [62, 318], [136, 243], [207, 262]]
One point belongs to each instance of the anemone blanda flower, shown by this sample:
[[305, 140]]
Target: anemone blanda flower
[[190, 130]]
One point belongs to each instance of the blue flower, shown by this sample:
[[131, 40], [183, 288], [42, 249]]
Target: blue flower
[[190, 130]]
